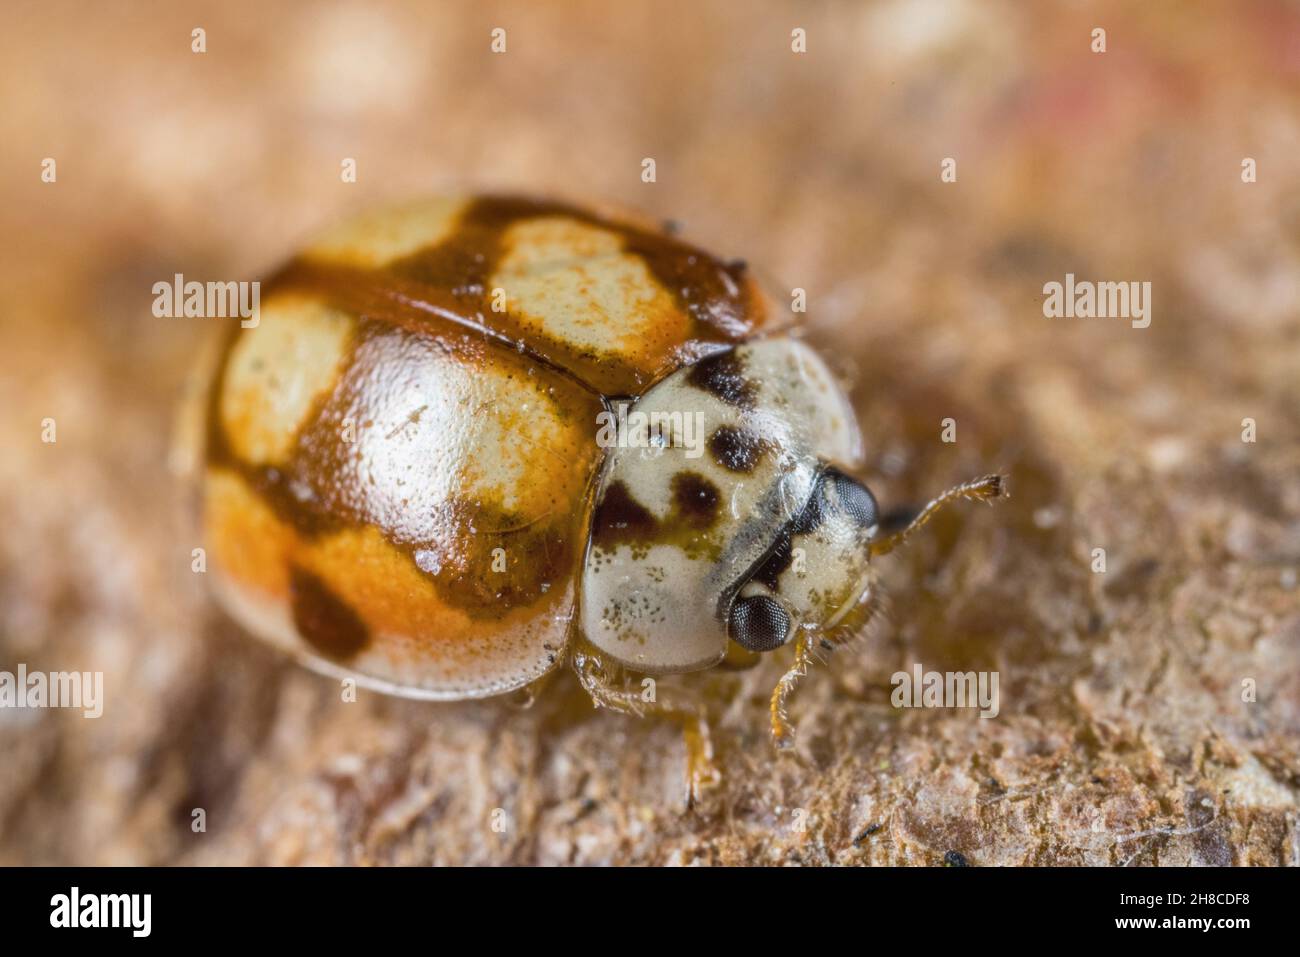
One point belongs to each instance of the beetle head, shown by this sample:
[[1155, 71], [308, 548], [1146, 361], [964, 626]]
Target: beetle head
[[816, 571]]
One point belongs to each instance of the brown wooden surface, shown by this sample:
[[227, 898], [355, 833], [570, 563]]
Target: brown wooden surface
[[1122, 736]]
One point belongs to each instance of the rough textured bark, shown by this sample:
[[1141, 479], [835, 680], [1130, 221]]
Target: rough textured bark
[[1123, 736]]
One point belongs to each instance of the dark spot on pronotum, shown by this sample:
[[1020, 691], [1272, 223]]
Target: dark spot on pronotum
[[955, 859], [723, 375], [737, 450], [323, 619], [759, 623], [866, 833], [620, 518], [696, 499]]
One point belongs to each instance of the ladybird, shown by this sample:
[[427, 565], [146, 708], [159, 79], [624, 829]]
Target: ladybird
[[470, 440]]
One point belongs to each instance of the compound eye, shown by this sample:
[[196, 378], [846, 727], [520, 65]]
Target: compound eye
[[855, 500], [759, 623]]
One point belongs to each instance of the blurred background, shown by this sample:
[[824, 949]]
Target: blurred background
[[1123, 736]]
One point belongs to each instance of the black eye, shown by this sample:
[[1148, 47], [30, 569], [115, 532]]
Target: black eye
[[759, 623], [853, 499]]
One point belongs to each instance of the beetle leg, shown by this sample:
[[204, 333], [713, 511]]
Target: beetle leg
[[980, 490], [811, 647], [605, 693], [782, 730]]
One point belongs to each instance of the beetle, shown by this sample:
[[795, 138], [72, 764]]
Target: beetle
[[473, 438]]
